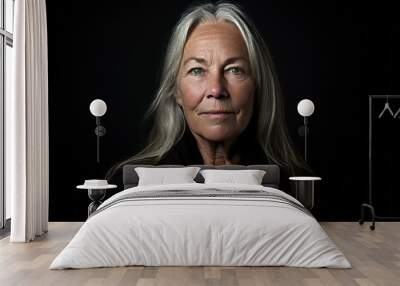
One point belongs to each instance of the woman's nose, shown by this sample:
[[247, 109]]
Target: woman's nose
[[216, 86]]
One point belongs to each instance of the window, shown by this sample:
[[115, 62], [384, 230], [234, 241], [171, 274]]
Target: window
[[6, 61]]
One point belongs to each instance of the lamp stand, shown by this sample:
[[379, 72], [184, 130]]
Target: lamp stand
[[99, 131], [305, 137]]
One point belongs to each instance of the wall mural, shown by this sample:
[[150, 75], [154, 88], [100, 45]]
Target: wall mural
[[231, 100]]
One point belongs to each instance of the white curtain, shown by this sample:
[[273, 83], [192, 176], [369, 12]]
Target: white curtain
[[27, 143]]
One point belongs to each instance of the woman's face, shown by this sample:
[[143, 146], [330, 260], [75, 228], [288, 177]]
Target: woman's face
[[215, 87]]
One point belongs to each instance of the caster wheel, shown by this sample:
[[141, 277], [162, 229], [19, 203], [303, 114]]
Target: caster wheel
[[361, 221], [372, 227]]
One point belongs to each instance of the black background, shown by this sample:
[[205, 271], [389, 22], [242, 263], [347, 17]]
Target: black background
[[332, 52]]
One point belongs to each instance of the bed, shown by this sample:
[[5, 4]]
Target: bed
[[201, 224]]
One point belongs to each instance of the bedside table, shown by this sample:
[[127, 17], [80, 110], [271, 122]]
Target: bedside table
[[304, 190], [96, 194]]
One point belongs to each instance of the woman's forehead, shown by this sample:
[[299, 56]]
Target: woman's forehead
[[208, 36]]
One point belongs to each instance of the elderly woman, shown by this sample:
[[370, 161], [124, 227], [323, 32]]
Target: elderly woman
[[219, 100]]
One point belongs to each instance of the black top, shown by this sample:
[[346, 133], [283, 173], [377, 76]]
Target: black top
[[186, 152]]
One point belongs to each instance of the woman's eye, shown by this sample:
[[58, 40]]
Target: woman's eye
[[196, 71], [236, 70]]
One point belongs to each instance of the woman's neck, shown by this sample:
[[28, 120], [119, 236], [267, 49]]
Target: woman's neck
[[217, 153]]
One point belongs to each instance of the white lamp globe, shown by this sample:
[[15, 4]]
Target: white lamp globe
[[305, 107], [98, 107]]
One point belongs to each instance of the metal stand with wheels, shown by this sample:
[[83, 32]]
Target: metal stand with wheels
[[369, 205]]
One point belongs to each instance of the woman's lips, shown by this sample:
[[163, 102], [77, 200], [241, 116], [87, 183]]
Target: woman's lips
[[217, 114]]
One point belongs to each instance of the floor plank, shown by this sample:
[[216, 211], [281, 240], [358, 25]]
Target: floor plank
[[375, 257]]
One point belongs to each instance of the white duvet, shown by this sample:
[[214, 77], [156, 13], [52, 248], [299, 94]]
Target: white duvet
[[200, 231]]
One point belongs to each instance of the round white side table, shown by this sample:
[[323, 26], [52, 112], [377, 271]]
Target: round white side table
[[304, 189], [96, 194]]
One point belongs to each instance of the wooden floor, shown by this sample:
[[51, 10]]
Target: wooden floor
[[375, 256]]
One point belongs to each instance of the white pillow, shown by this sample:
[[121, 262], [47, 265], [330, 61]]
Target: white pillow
[[248, 177], [162, 176]]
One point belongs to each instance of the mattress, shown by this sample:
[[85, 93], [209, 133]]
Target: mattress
[[201, 225]]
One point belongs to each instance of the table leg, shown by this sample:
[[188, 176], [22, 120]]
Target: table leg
[[305, 193], [96, 195]]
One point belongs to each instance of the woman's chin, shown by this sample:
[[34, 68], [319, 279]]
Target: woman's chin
[[218, 134]]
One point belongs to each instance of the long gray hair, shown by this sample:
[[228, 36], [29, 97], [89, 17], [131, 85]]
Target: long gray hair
[[169, 120]]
